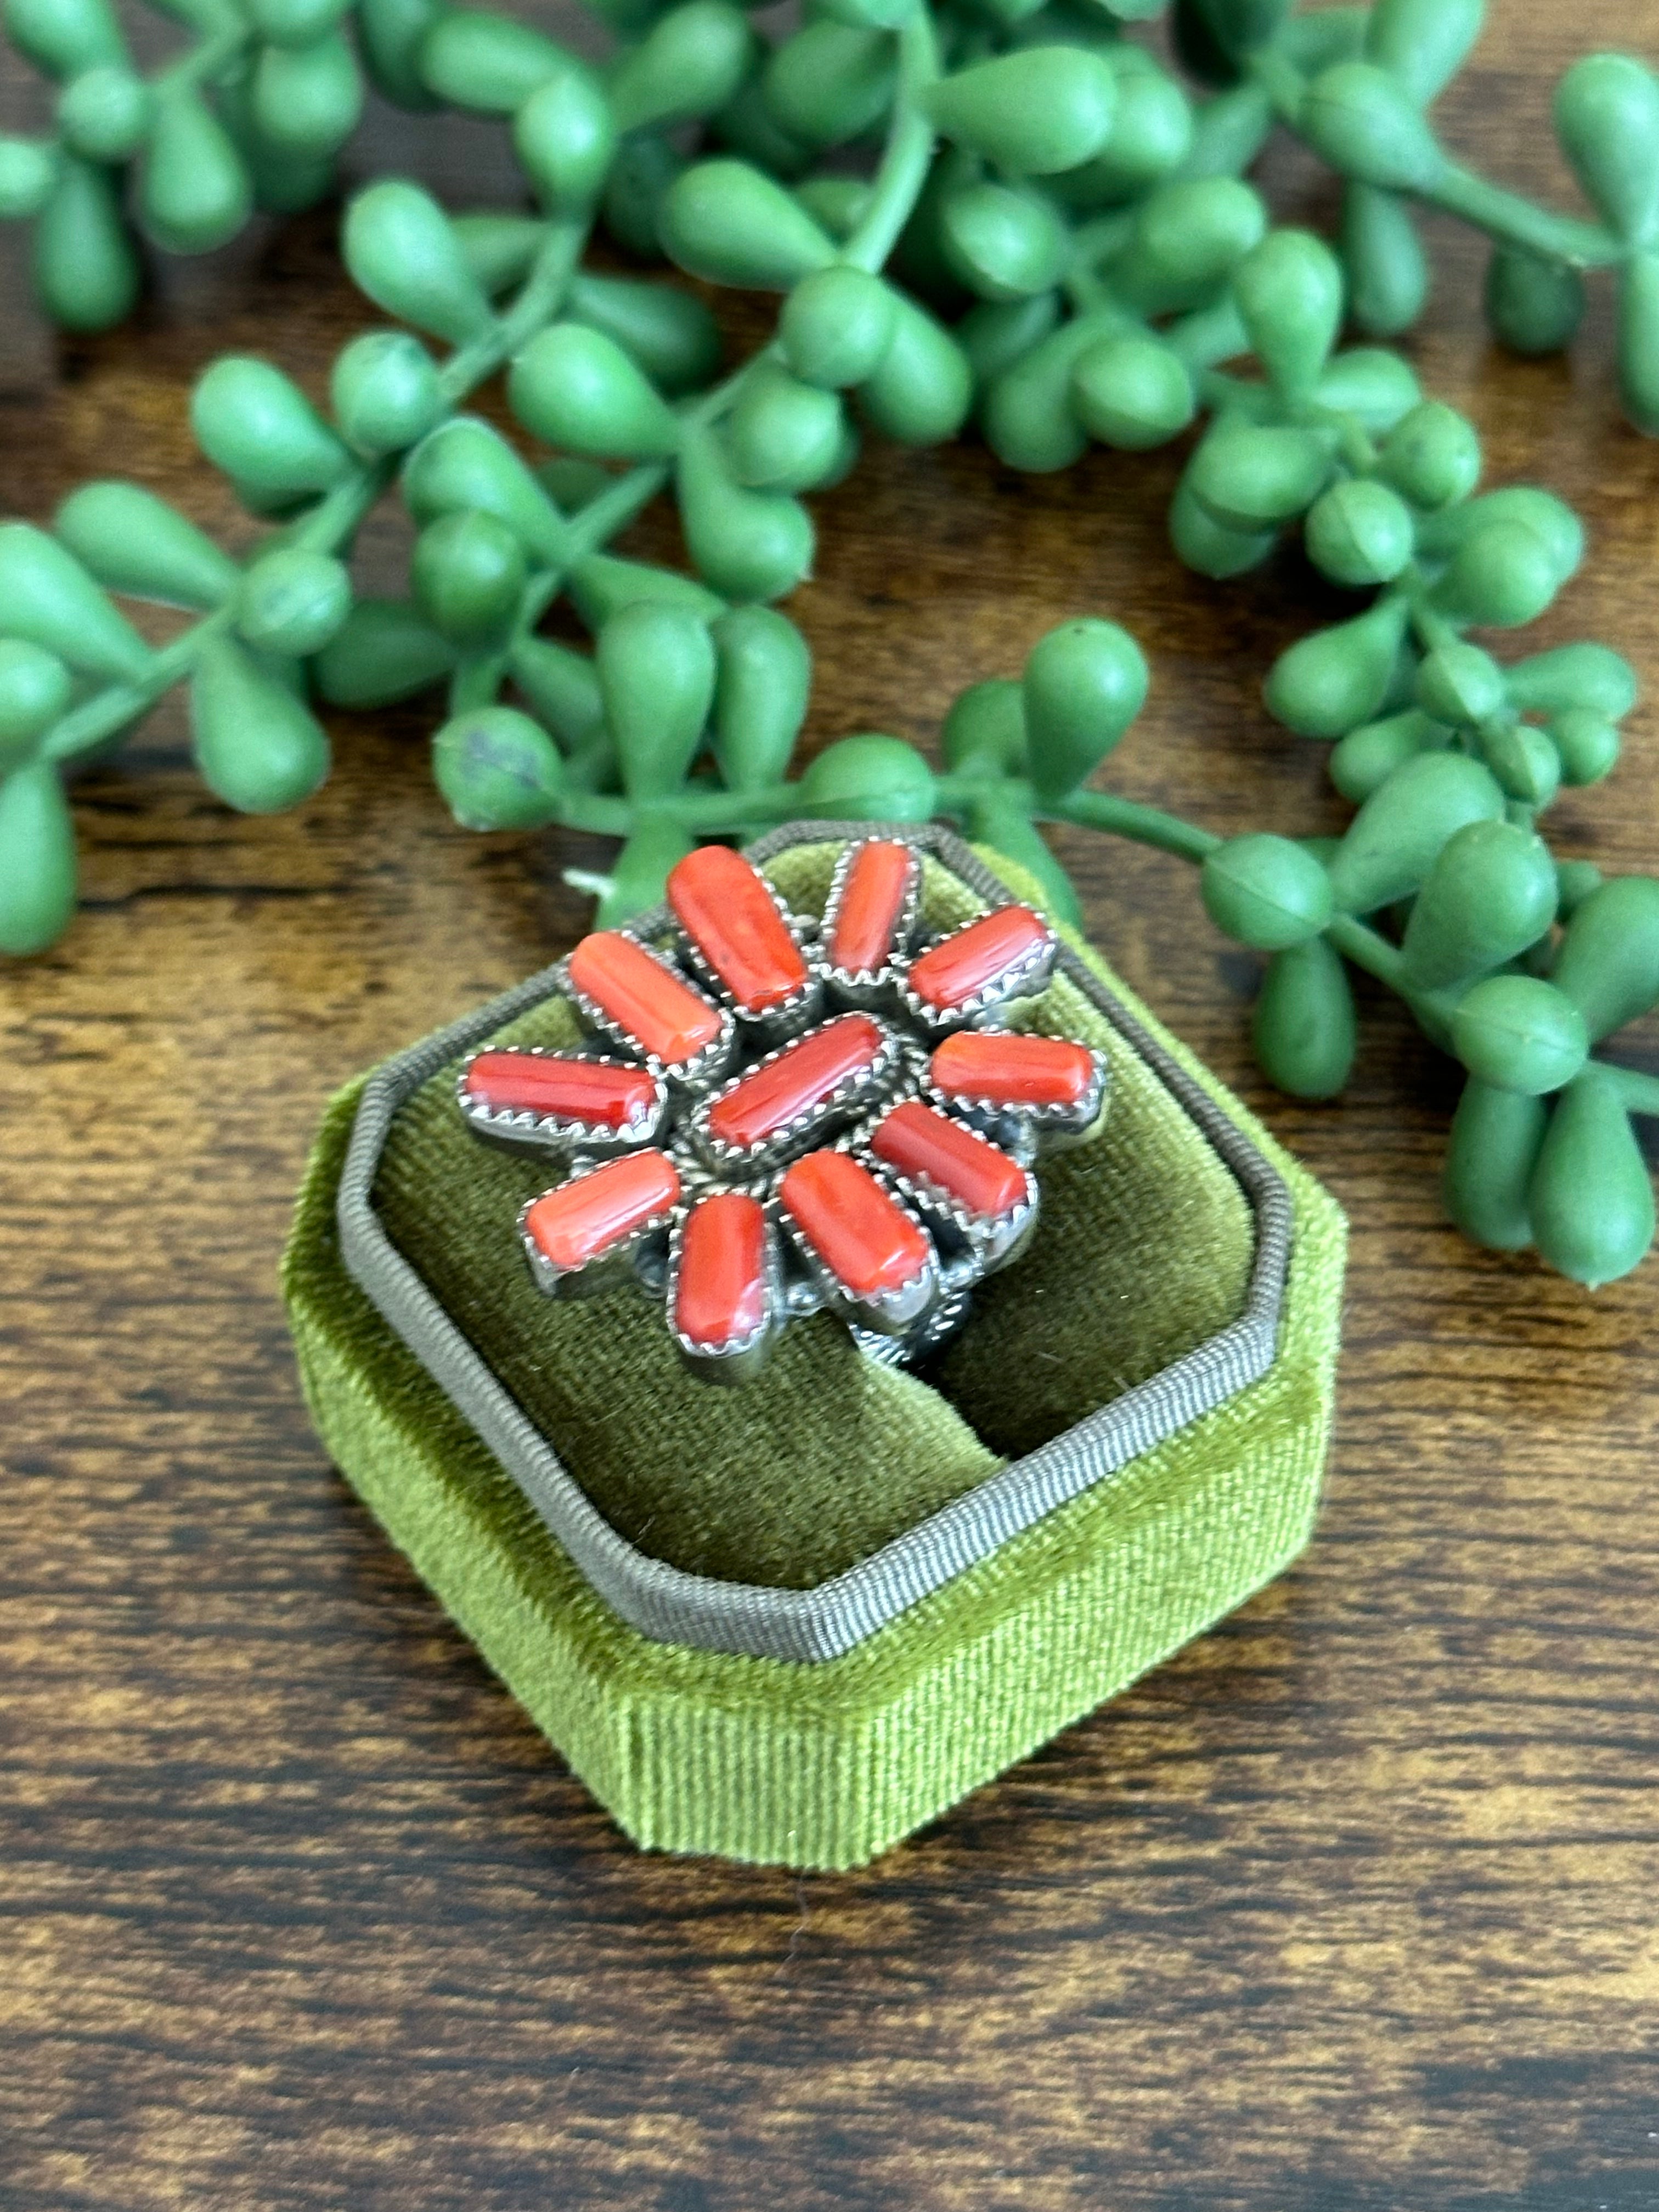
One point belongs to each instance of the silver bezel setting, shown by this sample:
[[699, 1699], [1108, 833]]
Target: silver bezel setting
[[778, 1023], [740, 1357], [608, 1269], [890, 1313], [855, 1094], [994, 1238], [1050, 1121], [945, 1317], [523, 1129], [864, 988], [704, 1066], [1022, 979]]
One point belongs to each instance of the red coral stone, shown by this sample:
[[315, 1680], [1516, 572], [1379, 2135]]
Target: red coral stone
[[570, 1089], [803, 1076], [719, 1293], [1013, 1071], [871, 903], [725, 909], [664, 1016], [932, 1147], [961, 966], [585, 1218], [867, 1240]]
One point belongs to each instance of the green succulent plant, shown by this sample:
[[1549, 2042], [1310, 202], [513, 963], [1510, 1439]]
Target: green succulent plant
[[1000, 217]]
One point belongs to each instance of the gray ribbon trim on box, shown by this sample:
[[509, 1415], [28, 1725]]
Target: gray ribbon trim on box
[[751, 1619]]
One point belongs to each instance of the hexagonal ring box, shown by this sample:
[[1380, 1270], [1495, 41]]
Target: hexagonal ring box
[[792, 1621]]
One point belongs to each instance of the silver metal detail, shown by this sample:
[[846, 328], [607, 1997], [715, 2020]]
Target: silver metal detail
[[1022, 979], [521, 1128], [876, 1080], [702, 1069], [869, 988], [739, 1359], [612, 1266]]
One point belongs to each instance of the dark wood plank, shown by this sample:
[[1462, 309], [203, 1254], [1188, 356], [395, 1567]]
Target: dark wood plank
[[1351, 1906]]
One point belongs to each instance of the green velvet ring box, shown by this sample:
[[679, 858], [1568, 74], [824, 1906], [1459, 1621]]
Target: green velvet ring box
[[790, 1622]]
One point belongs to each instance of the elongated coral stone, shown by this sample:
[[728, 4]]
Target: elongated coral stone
[[804, 1075], [582, 1220], [719, 1293], [600, 1094], [664, 1016], [871, 900], [725, 909], [929, 1146], [1006, 1070], [961, 966], [864, 1238]]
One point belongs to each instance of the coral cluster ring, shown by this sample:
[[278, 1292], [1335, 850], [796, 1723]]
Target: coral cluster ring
[[776, 1116]]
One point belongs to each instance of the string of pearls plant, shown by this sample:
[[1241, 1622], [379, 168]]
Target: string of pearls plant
[[1049, 237]]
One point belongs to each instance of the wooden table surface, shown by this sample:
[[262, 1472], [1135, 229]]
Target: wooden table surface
[[1352, 1906]]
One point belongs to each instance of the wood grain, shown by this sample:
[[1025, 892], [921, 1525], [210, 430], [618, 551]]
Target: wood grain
[[1350, 1908]]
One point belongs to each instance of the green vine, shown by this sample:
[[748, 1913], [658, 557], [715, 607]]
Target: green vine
[[1050, 240]]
